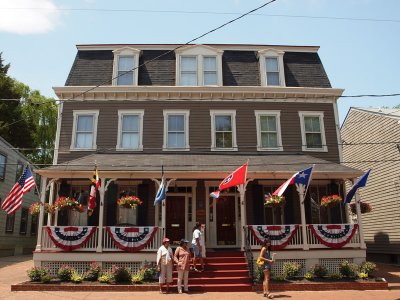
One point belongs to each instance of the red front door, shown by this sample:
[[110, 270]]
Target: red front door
[[175, 218], [226, 221]]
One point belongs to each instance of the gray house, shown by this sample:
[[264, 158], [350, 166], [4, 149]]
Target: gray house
[[18, 231], [371, 140]]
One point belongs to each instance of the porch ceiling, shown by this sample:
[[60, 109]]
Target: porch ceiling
[[195, 166]]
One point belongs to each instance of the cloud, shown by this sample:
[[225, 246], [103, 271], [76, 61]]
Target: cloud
[[28, 16]]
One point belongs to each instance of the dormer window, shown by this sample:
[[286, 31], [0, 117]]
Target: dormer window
[[199, 66], [271, 67], [125, 70]]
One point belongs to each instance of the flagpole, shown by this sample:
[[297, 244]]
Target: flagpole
[[37, 190]]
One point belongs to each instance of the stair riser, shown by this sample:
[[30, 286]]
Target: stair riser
[[211, 274], [230, 289], [224, 267], [225, 260], [224, 254], [206, 281]]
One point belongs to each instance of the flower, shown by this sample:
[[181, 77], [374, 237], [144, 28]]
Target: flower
[[364, 207], [274, 200], [129, 201], [330, 200], [34, 209], [68, 203]]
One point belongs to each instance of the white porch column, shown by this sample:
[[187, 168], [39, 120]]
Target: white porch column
[[51, 200], [359, 221], [101, 215], [41, 214], [243, 217], [301, 190], [56, 211]]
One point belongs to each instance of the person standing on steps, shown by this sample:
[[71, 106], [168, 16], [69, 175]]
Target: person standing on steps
[[196, 245], [164, 264], [182, 260], [265, 255]]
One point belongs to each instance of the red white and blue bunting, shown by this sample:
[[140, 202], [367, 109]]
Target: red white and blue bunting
[[70, 237], [131, 239], [280, 235], [333, 235]]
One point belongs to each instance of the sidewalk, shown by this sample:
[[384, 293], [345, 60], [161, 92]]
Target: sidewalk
[[13, 270]]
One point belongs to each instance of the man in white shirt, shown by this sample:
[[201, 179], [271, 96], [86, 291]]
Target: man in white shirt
[[197, 247]]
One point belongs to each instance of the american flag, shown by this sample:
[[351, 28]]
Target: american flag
[[13, 200]]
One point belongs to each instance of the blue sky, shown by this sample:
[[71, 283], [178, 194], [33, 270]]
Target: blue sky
[[359, 56]]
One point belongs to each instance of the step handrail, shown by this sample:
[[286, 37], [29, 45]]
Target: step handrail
[[248, 252]]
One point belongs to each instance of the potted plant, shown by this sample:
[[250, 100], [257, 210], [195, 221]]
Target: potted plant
[[364, 207], [34, 209], [274, 200], [129, 202], [127, 209], [74, 209], [331, 200]]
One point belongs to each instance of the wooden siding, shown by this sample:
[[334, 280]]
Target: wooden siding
[[381, 226], [199, 126], [13, 242]]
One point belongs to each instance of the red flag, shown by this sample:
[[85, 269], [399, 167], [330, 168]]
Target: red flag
[[93, 191], [235, 178]]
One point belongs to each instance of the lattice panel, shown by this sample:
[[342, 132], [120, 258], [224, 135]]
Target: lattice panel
[[332, 264], [277, 267], [53, 266], [134, 267]]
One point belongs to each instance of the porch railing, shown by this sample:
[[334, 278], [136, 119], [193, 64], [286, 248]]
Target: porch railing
[[297, 240], [107, 245]]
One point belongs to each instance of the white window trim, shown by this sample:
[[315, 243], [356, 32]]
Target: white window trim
[[263, 54], [76, 113], [320, 115], [186, 114], [277, 115], [122, 52], [199, 51], [121, 113], [231, 113]]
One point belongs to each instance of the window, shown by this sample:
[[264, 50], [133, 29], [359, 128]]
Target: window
[[130, 128], [10, 223], [176, 130], [223, 130], [312, 131], [20, 169], [199, 65], [125, 62], [268, 130], [3, 161], [271, 67], [84, 130], [24, 221]]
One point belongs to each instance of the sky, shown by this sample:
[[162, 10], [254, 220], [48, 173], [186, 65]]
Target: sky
[[38, 37]]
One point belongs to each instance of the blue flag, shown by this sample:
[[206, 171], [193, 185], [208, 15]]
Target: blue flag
[[361, 182], [160, 196]]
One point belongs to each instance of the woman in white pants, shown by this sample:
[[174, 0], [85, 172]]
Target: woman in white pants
[[164, 264], [182, 259]]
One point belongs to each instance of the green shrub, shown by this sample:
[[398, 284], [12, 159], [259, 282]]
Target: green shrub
[[291, 269], [348, 269], [35, 274], [319, 271], [367, 267], [121, 274], [76, 277], [149, 271], [309, 276], [278, 277], [259, 275], [363, 275], [45, 278], [105, 278], [335, 276], [93, 272], [65, 273], [138, 277]]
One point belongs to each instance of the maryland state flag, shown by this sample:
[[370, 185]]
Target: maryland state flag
[[93, 191], [235, 178]]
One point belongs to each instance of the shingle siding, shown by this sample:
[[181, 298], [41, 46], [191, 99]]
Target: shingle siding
[[158, 72], [240, 68]]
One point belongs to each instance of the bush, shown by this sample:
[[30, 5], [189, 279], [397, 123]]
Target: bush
[[138, 277], [121, 274], [259, 275], [36, 274], [278, 278], [291, 269], [367, 267], [93, 272], [319, 271], [363, 275], [149, 271], [335, 276], [76, 277], [45, 278], [65, 273], [105, 278], [348, 269], [309, 276]]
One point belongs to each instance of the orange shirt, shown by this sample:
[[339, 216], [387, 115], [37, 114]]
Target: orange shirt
[[182, 258]]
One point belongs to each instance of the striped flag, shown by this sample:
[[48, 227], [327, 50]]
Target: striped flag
[[13, 200], [302, 177], [93, 191]]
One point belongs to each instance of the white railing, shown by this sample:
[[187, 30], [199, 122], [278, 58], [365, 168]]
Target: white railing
[[108, 244], [297, 240]]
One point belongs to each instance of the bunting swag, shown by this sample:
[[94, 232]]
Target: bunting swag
[[71, 237], [335, 235], [132, 239], [280, 235]]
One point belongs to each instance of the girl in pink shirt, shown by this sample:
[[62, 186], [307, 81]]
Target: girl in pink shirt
[[182, 260]]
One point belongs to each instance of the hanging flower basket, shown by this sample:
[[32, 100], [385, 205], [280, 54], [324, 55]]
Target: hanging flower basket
[[34, 209], [331, 200], [63, 203], [274, 200], [364, 207], [129, 202]]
